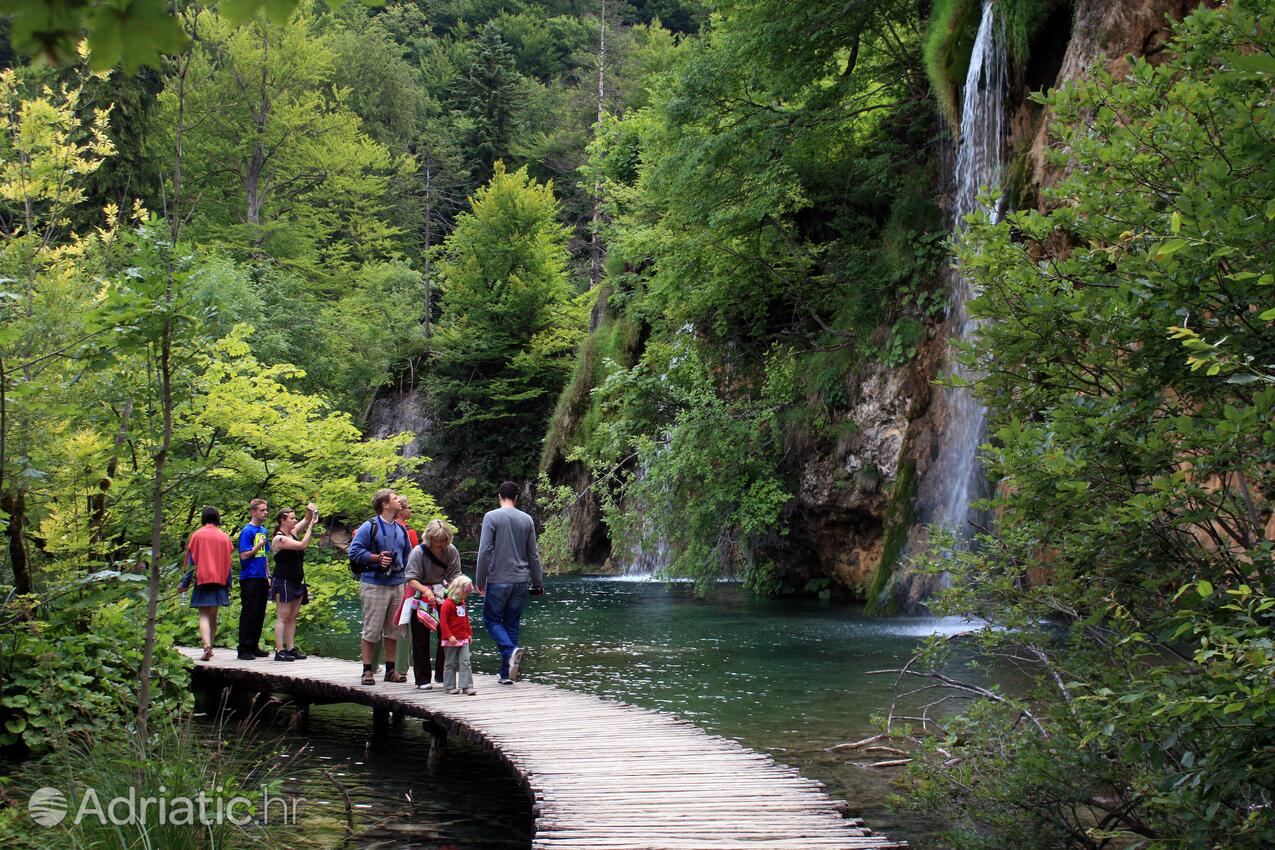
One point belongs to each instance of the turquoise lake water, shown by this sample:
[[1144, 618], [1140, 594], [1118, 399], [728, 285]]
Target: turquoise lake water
[[782, 676]]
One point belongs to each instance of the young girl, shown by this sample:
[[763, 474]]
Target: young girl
[[453, 625]]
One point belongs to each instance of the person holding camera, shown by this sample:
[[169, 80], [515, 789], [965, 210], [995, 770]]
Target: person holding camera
[[381, 545]]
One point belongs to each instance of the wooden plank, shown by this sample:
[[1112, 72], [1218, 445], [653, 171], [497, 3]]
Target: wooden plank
[[603, 775]]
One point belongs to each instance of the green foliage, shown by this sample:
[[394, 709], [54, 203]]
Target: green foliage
[[766, 199], [705, 488], [1131, 562], [70, 671], [490, 95], [509, 326], [183, 763]]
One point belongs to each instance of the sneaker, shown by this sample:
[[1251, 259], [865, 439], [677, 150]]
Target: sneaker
[[503, 681], [297, 655], [260, 653], [454, 691], [425, 687], [470, 691], [515, 661], [248, 655], [283, 655]]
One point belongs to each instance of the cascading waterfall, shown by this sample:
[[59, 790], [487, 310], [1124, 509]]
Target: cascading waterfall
[[957, 479], [647, 554]]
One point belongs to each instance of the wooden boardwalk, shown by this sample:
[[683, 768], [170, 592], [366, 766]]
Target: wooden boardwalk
[[602, 775]]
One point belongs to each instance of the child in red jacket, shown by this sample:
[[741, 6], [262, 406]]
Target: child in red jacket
[[453, 621]]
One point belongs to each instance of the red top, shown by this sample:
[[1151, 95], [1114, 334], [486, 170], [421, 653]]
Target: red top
[[411, 534], [210, 551], [454, 624]]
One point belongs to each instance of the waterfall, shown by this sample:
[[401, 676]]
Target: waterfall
[[646, 553], [957, 478]]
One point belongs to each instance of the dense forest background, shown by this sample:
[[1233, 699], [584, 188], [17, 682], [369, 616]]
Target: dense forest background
[[681, 269]]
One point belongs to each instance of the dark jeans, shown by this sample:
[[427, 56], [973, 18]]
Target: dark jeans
[[420, 652], [253, 593], [502, 615]]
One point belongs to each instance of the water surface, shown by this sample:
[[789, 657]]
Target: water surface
[[786, 677]]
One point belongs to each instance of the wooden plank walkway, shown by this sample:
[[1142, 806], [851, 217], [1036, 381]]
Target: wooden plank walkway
[[602, 775]]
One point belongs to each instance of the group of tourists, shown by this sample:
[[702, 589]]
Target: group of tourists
[[405, 582]]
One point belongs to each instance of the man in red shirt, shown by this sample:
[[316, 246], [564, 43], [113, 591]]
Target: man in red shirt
[[210, 553]]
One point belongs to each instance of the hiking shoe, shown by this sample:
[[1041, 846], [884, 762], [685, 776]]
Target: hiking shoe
[[260, 653], [282, 655], [297, 655], [515, 661], [248, 655]]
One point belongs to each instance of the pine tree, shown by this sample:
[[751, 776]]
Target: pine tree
[[491, 97]]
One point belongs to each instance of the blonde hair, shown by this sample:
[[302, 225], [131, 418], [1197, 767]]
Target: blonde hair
[[438, 530], [459, 588]]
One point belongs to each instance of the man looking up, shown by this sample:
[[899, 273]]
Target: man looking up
[[381, 545], [508, 567], [254, 580]]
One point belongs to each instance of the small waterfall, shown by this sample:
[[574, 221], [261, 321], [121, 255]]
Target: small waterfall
[[646, 553], [957, 478]]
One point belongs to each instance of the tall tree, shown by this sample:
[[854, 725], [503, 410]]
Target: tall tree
[[490, 101], [509, 324], [280, 160]]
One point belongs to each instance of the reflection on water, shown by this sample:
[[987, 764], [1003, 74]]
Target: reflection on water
[[782, 676], [396, 800]]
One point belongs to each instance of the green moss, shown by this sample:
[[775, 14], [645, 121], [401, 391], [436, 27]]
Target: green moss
[[949, 40], [576, 416], [899, 516]]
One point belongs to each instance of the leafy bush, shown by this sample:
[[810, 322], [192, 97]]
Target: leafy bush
[[71, 662], [1131, 568]]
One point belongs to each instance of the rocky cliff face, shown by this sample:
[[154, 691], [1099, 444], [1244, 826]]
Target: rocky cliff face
[[856, 512]]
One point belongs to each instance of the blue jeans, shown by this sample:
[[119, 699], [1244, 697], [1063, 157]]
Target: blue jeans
[[502, 615]]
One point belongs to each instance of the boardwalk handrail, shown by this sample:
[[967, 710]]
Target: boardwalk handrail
[[601, 775]]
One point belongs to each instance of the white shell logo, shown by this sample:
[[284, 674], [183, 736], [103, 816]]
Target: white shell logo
[[47, 806]]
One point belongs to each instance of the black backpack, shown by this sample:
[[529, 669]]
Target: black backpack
[[357, 568]]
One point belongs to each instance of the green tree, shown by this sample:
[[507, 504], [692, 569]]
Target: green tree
[[508, 328], [277, 157], [1131, 570], [489, 101]]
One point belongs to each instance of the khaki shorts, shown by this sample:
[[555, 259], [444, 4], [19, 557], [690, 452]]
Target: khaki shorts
[[380, 611]]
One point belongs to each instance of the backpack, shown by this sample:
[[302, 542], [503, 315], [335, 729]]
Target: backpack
[[356, 568]]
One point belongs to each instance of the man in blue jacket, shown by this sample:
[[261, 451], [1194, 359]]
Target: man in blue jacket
[[381, 545]]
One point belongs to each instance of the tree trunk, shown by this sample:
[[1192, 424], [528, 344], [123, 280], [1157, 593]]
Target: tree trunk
[[157, 527], [97, 502], [429, 243], [166, 439], [253, 187], [14, 503], [595, 217]]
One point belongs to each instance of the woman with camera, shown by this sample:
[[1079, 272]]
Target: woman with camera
[[287, 588]]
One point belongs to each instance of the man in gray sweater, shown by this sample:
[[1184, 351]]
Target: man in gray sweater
[[508, 569]]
